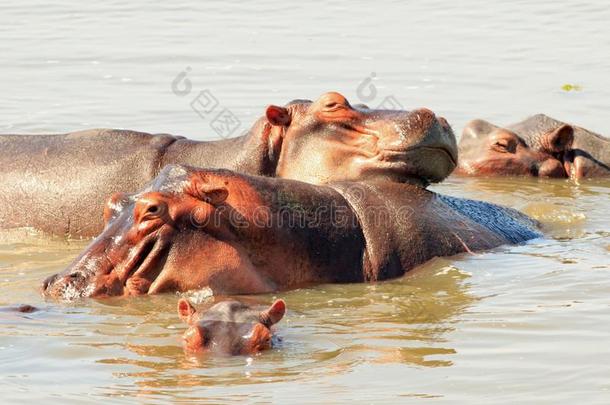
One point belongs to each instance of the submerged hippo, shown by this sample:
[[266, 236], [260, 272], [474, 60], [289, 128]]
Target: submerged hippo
[[59, 183], [22, 308], [229, 327], [539, 146], [236, 234]]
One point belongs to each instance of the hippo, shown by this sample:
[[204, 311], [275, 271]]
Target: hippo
[[60, 183], [538, 146], [234, 233], [21, 308], [229, 327]]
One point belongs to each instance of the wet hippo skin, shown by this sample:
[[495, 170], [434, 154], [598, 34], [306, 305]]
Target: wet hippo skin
[[240, 234], [229, 327], [588, 155], [538, 146], [60, 183]]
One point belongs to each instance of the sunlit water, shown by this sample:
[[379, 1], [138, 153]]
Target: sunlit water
[[518, 324]]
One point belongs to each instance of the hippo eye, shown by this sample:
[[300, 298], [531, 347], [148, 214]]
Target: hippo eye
[[332, 105], [153, 209], [504, 146]]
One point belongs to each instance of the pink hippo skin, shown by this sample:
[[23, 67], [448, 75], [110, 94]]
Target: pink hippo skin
[[229, 327], [539, 146]]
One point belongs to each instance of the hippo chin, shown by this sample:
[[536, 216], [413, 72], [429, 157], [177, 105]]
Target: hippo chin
[[538, 146], [239, 234], [229, 327], [59, 183]]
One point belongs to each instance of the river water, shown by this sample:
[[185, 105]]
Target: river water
[[525, 324]]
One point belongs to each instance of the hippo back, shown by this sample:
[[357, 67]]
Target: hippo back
[[508, 223], [405, 226]]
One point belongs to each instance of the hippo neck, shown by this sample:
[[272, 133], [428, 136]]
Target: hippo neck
[[249, 153], [405, 225], [397, 178]]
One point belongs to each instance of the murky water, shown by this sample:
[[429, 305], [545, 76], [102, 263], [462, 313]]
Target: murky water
[[519, 324]]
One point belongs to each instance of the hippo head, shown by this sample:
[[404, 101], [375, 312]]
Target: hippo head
[[330, 140], [229, 327], [152, 241], [489, 150]]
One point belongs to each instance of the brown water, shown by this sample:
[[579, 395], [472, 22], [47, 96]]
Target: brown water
[[525, 324]]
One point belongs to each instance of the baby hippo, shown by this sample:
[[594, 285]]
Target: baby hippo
[[229, 327]]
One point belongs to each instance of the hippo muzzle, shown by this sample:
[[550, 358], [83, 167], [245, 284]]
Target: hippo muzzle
[[118, 262]]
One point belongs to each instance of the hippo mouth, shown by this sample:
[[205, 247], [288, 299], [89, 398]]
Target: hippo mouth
[[448, 153], [402, 154], [141, 260], [422, 164], [143, 267], [134, 276]]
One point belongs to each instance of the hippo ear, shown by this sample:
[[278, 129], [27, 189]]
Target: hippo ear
[[186, 310], [560, 139], [273, 314], [213, 194], [476, 129], [278, 116]]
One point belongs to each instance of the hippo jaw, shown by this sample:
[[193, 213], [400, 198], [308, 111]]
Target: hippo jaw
[[96, 273], [138, 274]]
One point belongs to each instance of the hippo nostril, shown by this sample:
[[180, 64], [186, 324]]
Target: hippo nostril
[[48, 282], [74, 277]]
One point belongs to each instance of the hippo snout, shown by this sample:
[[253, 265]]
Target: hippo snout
[[65, 286]]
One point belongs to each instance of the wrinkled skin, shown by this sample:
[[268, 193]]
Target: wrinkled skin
[[538, 146], [229, 327], [59, 183], [240, 234]]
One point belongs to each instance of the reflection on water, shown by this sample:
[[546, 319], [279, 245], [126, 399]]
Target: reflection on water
[[527, 315], [518, 324], [329, 331]]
